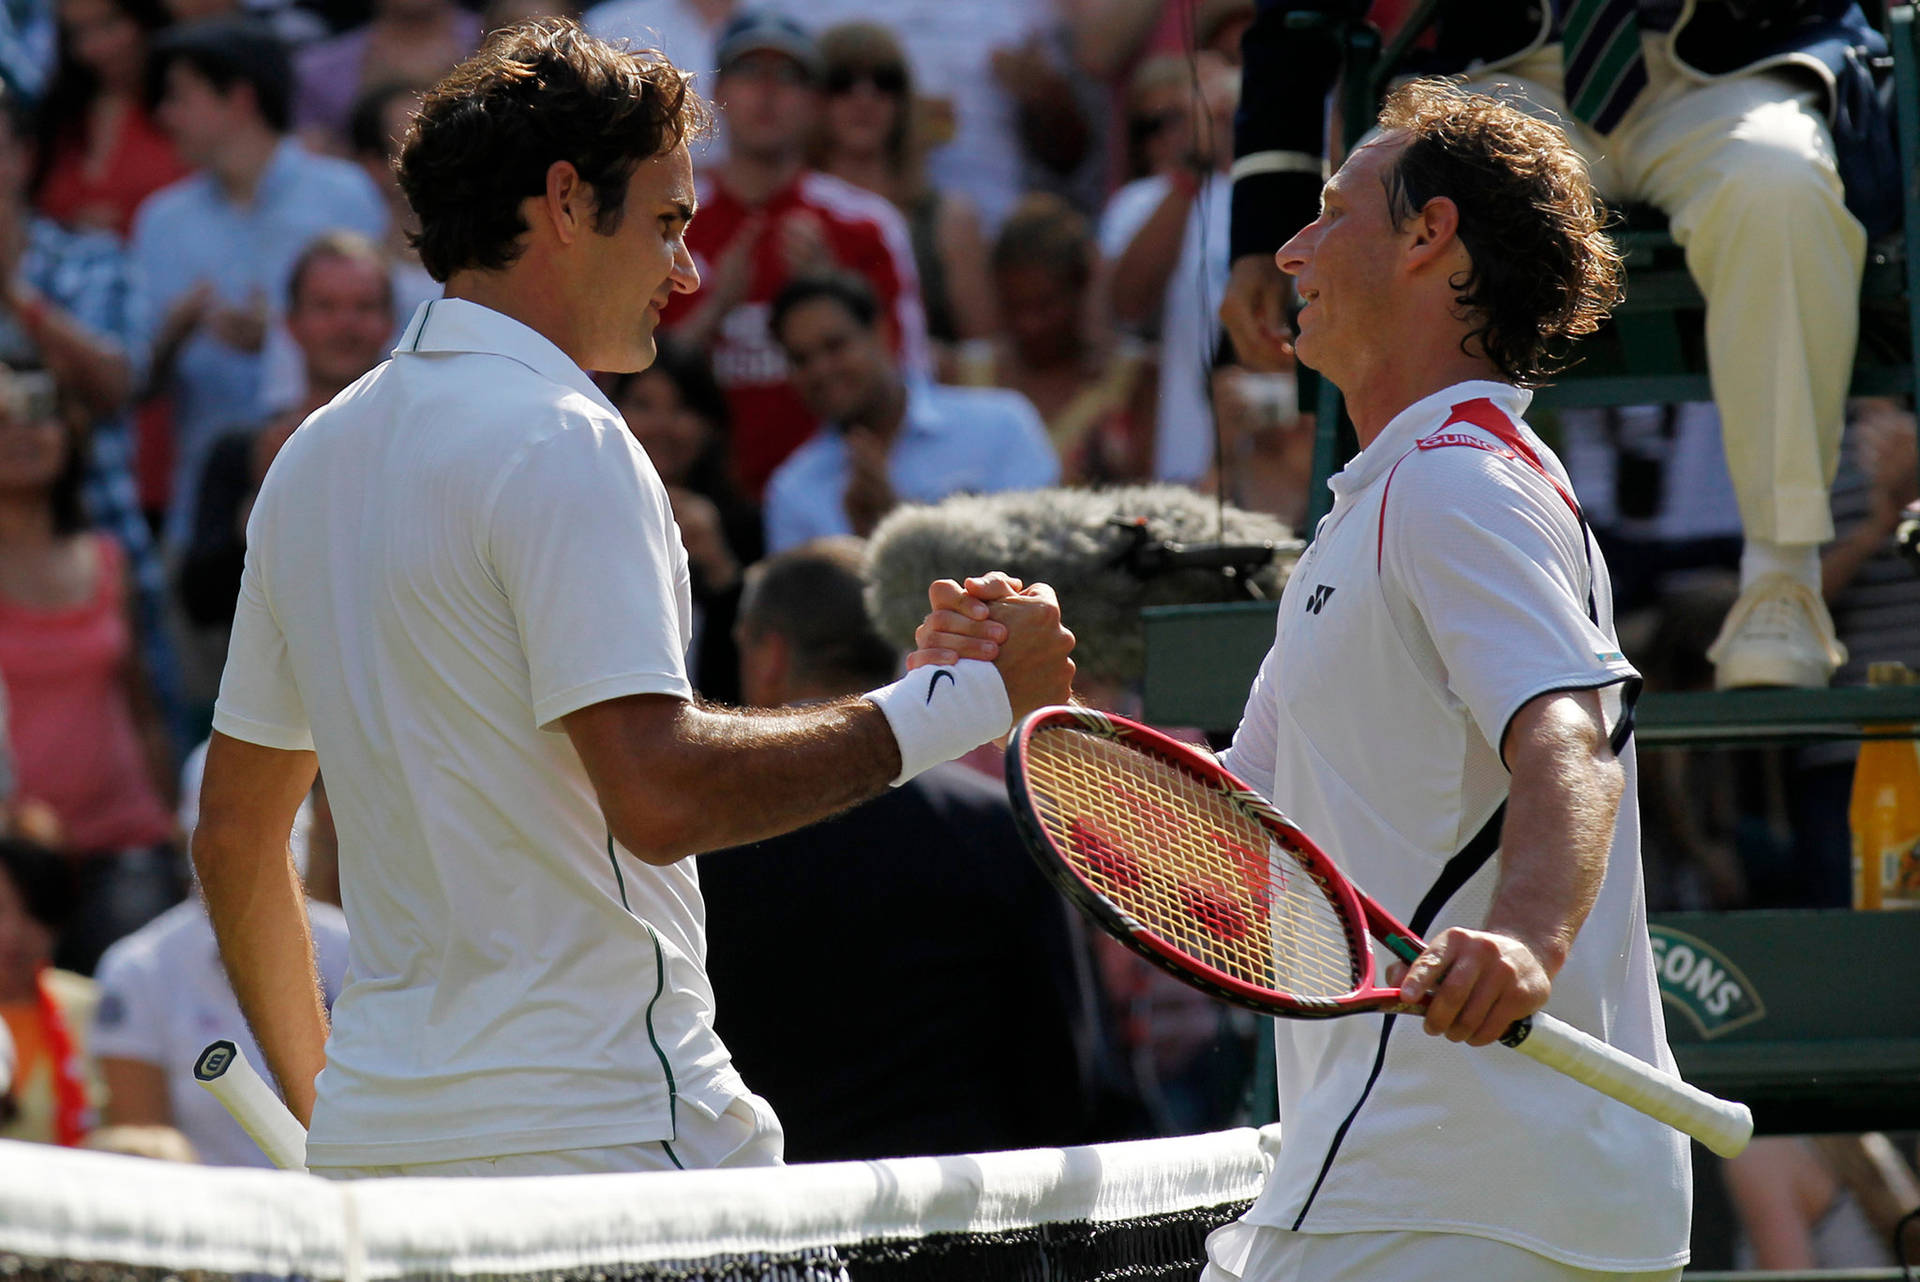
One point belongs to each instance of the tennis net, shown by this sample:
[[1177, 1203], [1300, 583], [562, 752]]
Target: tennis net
[[1132, 1212]]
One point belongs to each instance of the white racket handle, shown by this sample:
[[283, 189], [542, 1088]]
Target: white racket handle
[[1724, 1126], [224, 1070]]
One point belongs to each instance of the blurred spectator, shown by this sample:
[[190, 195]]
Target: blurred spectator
[[1166, 236], [1653, 482], [412, 42], [87, 739], [47, 1011], [1115, 43], [678, 413], [9, 1062], [1112, 36], [963, 55], [1266, 443], [885, 439], [68, 304], [213, 249], [340, 317], [1807, 1203], [687, 31], [164, 995], [378, 124], [1875, 599], [986, 1047], [869, 139], [495, 14], [292, 22], [29, 48], [766, 218], [157, 1143], [100, 150], [1093, 390]]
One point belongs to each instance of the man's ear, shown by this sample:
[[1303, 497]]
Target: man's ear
[[1436, 232], [568, 202]]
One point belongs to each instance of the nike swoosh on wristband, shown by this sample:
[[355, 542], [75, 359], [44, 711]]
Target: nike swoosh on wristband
[[934, 682]]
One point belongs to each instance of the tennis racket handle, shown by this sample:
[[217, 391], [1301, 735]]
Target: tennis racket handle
[[1724, 1126], [224, 1070]]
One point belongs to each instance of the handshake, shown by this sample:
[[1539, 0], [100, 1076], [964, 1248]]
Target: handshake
[[1002, 621]]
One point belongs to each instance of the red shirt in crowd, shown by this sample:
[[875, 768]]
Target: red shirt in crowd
[[864, 234], [74, 737], [142, 162]]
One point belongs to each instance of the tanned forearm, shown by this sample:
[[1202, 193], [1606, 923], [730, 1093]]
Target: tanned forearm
[[1561, 807], [258, 909], [260, 918], [717, 777]]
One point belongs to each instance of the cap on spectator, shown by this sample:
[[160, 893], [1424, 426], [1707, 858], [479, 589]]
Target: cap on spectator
[[760, 30]]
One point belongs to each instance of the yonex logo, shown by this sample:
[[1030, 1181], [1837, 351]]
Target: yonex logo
[[934, 682], [1322, 593]]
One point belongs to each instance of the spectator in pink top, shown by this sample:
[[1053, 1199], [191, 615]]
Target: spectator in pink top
[[85, 736]]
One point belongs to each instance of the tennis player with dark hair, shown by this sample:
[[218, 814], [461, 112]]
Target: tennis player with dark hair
[[1447, 711], [465, 598]]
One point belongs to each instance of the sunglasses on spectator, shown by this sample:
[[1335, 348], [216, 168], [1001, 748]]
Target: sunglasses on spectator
[[886, 80]]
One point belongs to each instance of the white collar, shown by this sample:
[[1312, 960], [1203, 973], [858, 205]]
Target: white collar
[[459, 325], [1398, 436]]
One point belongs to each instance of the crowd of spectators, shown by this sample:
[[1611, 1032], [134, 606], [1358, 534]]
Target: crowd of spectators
[[945, 247]]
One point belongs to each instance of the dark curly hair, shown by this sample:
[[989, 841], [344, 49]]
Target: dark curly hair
[[536, 93], [1544, 270]]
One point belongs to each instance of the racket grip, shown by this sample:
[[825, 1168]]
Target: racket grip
[[1724, 1126], [224, 1070]]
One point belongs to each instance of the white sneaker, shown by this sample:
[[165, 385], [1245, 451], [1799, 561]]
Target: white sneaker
[[1777, 634]]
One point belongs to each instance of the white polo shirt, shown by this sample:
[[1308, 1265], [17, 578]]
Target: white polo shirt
[[462, 548], [1448, 587], [164, 995]]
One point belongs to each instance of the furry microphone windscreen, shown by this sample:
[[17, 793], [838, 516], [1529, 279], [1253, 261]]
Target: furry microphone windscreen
[[1077, 541]]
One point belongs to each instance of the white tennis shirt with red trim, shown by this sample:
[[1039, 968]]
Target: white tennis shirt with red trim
[[1449, 585], [462, 548]]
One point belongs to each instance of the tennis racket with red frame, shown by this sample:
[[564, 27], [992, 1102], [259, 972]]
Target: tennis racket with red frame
[[1199, 874]]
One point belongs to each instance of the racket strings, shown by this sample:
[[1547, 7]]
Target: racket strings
[[1181, 857]]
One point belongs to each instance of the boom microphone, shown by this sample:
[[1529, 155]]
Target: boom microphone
[[1107, 553]]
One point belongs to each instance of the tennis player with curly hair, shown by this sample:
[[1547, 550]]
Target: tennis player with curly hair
[[465, 599], [1447, 711]]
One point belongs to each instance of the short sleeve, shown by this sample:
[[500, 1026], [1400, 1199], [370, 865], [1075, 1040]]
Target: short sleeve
[[126, 1020], [582, 541], [1252, 755], [259, 701], [1495, 566]]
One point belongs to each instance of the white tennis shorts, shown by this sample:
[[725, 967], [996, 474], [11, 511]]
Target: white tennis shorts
[[1241, 1252], [748, 1133]]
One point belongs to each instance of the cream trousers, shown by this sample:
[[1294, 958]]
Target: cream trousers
[[1744, 170]]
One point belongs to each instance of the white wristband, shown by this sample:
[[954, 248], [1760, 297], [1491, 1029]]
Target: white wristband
[[940, 712]]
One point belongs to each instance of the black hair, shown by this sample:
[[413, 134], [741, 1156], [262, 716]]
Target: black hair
[[226, 52], [851, 292]]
